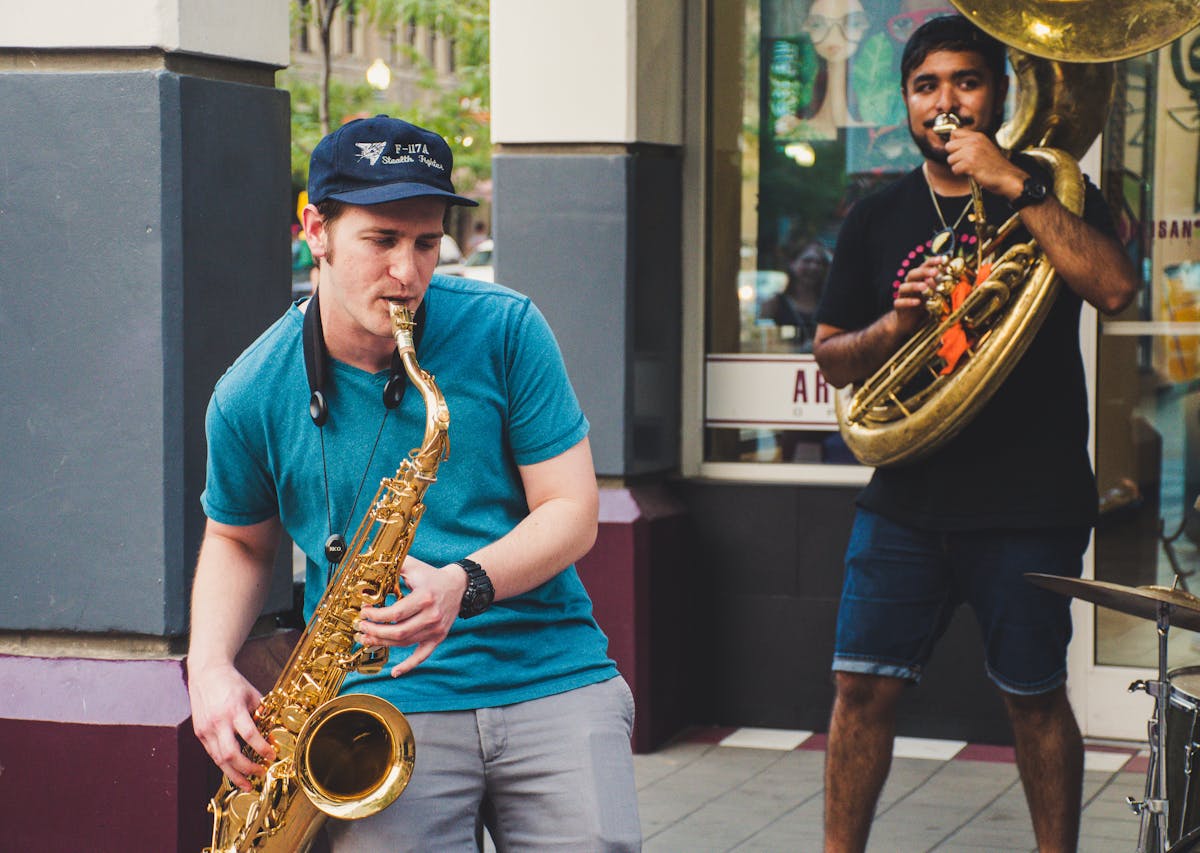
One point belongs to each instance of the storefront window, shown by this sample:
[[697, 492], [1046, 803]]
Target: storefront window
[[813, 122], [1148, 377]]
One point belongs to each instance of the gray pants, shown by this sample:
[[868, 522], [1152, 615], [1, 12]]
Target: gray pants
[[549, 774]]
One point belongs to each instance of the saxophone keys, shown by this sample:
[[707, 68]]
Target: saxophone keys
[[244, 805], [284, 742], [292, 718], [367, 590]]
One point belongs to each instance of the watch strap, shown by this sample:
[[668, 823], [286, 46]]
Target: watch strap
[[1033, 192]]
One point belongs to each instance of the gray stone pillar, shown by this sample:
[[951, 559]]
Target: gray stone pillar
[[144, 209]]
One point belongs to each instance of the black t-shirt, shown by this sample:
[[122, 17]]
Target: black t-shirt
[[1022, 462]]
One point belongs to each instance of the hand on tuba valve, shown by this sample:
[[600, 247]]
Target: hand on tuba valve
[[950, 273]]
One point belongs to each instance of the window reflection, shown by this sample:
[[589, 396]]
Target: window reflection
[[821, 124]]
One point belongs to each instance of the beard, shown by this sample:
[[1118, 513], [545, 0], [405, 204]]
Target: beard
[[926, 147]]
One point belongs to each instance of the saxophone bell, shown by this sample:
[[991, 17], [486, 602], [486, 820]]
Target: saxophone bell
[[355, 756]]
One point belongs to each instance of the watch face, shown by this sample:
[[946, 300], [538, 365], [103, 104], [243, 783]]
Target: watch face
[[475, 601], [1033, 192], [482, 595], [479, 593]]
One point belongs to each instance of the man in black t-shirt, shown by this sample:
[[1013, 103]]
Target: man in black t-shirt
[[1013, 492]]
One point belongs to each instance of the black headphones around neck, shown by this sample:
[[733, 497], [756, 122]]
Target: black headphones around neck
[[316, 363]]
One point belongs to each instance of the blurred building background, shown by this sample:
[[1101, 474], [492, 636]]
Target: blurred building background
[[411, 49]]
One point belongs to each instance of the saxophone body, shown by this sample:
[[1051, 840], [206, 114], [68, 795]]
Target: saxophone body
[[344, 756]]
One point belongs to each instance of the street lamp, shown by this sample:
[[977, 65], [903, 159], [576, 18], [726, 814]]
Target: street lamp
[[379, 76]]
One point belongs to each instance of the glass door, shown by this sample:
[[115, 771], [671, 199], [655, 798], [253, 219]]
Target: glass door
[[1146, 389]]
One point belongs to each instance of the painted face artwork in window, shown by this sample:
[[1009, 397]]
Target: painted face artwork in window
[[836, 27]]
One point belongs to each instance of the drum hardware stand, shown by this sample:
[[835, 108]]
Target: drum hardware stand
[[1159, 603], [1153, 808], [1158, 750]]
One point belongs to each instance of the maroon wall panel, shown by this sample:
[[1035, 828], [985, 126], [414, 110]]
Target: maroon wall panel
[[633, 576]]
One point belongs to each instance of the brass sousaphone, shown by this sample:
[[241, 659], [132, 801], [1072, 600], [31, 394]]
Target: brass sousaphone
[[1063, 54]]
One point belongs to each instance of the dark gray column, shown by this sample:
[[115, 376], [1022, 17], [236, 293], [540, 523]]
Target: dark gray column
[[594, 239], [144, 209], [144, 222]]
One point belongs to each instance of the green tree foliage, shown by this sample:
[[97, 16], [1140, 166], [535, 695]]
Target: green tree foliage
[[343, 101], [462, 112], [321, 13], [459, 112]]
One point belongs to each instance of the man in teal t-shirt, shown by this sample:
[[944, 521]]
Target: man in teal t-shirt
[[520, 718]]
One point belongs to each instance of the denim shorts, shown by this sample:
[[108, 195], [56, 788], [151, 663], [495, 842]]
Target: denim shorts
[[903, 584]]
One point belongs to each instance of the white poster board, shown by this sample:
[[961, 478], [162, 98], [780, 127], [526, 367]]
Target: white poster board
[[761, 391]]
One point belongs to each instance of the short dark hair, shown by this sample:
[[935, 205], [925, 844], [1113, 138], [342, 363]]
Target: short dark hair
[[953, 33], [330, 209]]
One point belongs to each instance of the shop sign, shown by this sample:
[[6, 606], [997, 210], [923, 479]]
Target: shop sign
[[756, 391]]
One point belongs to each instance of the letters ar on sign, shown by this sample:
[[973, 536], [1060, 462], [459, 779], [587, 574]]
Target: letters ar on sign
[[750, 391]]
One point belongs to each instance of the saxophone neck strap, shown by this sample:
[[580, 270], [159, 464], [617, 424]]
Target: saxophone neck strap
[[316, 363]]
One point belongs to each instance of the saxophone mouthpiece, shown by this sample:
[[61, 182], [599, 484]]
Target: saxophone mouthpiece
[[402, 325]]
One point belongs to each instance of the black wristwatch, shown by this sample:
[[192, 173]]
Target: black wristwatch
[[1034, 192], [479, 593]]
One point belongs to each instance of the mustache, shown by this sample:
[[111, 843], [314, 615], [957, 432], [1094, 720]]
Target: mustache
[[962, 122]]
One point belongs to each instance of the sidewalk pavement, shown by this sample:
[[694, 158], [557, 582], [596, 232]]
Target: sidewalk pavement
[[761, 790]]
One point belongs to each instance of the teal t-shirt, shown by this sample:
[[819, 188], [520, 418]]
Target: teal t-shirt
[[500, 370]]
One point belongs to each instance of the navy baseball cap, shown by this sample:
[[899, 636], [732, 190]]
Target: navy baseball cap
[[373, 160]]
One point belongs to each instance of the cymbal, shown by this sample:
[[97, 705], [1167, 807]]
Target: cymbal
[[1140, 601]]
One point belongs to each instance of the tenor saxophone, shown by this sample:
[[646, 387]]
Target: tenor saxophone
[[346, 756]]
